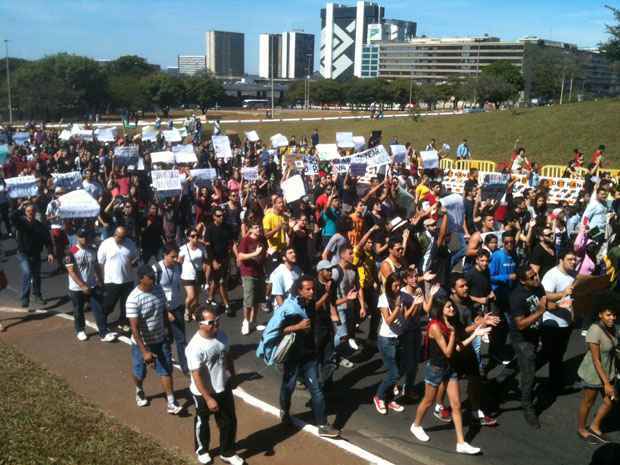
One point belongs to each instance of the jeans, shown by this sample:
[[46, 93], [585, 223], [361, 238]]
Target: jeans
[[527, 361], [308, 371], [388, 348], [410, 345], [554, 343], [31, 272], [225, 418], [112, 294], [177, 332], [342, 331], [79, 298], [458, 254]]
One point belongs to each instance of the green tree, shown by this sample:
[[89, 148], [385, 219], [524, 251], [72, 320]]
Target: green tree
[[403, 91], [546, 68], [611, 48], [203, 90], [163, 91], [505, 71], [132, 65], [429, 94], [329, 91], [296, 92], [495, 89]]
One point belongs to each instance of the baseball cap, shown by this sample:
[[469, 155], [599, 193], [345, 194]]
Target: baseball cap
[[324, 265], [145, 270]]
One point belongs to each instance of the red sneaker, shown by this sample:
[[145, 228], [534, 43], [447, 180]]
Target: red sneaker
[[379, 405]]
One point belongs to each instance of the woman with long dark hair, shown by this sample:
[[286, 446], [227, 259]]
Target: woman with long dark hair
[[440, 345]]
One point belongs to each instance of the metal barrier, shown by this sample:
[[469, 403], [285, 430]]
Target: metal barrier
[[483, 165], [553, 171], [446, 164]]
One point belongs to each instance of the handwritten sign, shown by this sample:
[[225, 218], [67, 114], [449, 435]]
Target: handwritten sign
[[221, 146], [166, 157], [327, 152], [172, 135], [252, 136], [149, 134], [167, 183], [399, 152], [22, 187], [184, 154], [204, 176], [293, 188], [344, 140], [279, 140], [249, 173], [430, 159], [126, 155], [68, 181]]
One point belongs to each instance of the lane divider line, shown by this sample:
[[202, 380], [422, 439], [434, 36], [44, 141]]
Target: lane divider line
[[240, 393]]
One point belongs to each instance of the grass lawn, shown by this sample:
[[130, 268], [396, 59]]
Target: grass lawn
[[549, 134], [43, 421]]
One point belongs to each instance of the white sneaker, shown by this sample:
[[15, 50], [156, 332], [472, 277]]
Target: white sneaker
[[233, 460], [245, 327], [81, 335], [204, 458], [353, 344], [584, 332], [174, 409], [260, 327], [420, 434], [464, 448], [141, 400], [109, 337]]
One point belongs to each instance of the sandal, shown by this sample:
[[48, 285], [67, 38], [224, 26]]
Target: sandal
[[590, 439], [601, 438]]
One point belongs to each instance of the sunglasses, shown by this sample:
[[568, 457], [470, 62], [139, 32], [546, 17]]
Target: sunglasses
[[210, 322], [193, 235]]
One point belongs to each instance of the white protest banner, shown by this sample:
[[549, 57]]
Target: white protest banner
[[22, 186], [167, 183], [310, 165], [249, 173], [86, 134], [344, 140], [341, 165], [183, 132], [203, 176], [252, 136], [293, 188], [149, 134], [430, 159], [106, 134], [221, 146], [163, 157], [172, 135], [327, 152], [78, 204], [358, 170], [279, 141], [184, 154], [65, 134], [126, 155], [20, 138], [399, 152], [68, 181], [374, 157], [359, 142]]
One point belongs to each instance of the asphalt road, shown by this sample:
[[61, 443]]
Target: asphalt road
[[350, 403]]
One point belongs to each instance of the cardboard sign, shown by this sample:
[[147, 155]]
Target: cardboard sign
[[149, 134], [106, 134], [374, 157], [126, 155], [327, 152], [344, 140], [172, 136], [341, 166], [358, 170], [252, 136], [167, 183], [221, 146], [399, 152], [293, 188], [184, 154], [279, 140], [20, 138], [204, 176], [359, 142], [78, 204], [166, 157], [311, 166], [430, 159], [22, 187], [68, 181], [249, 173]]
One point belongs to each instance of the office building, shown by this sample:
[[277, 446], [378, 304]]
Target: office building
[[344, 32], [172, 70], [191, 64], [289, 55], [225, 53]]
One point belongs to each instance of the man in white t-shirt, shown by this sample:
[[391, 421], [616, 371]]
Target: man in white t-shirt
[[212, 368], [556, 325], [283, 277], [84, 276], [117, 255]]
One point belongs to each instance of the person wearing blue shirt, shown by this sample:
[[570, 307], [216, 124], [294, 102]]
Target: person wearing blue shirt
[[462, 151], [330, 217], [597, 210]]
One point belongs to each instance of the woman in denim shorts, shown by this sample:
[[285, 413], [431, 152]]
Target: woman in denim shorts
[[441, 343]]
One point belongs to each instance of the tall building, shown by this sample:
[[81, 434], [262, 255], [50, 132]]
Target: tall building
[[289, 55], [191, 64], [225, 53], [344, 32]]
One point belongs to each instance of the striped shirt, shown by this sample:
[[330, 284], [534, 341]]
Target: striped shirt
[[149, 309]]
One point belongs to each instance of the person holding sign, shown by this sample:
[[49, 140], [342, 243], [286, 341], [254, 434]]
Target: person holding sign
[[32, 236]]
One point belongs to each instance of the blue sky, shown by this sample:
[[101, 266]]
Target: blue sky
[[159, 30]]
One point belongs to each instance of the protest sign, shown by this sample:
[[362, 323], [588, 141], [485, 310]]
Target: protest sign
[[184, 154], [341, 165], [279, 140], [293, 188], [252, 136], [20, 138], [78, 204], [430, 159], [221, 146], [203, 177], [172, 135], [359, 142], [249, 173], [167, 183], [65, 135], [493, 185], [149, 134], [374, 157], [311, 167], [106, 134], [68, 181], [327, 152], [85, 134], [22, 186], [358, 169], [163, 157], [126, 155], [399, 152], [344, 140]]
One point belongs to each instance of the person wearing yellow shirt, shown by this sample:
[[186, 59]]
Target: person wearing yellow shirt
[[365, 263], [275, 227]]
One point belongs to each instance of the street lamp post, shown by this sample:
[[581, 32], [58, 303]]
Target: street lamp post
[[8, 80], [273, 69]]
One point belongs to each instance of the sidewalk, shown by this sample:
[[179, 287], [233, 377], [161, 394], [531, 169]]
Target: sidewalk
[[100, 373]]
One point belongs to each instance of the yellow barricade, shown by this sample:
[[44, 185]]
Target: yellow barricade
[[462, 164], [553, 171], [446, 164], [482, 165]]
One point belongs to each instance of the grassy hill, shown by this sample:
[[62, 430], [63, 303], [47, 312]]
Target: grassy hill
[[549, 134]]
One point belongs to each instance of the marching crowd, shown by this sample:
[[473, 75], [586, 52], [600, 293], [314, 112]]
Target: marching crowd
[[452, 285]]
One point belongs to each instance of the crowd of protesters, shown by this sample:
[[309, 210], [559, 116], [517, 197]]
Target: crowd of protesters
[[452, 285]]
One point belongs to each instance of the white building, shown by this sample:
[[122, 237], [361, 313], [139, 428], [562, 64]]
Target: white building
[[191, 64], [289, 55]]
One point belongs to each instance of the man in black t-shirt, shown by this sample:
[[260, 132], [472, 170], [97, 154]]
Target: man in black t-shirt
[[219, 239], [323, 317], [543, 256]]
